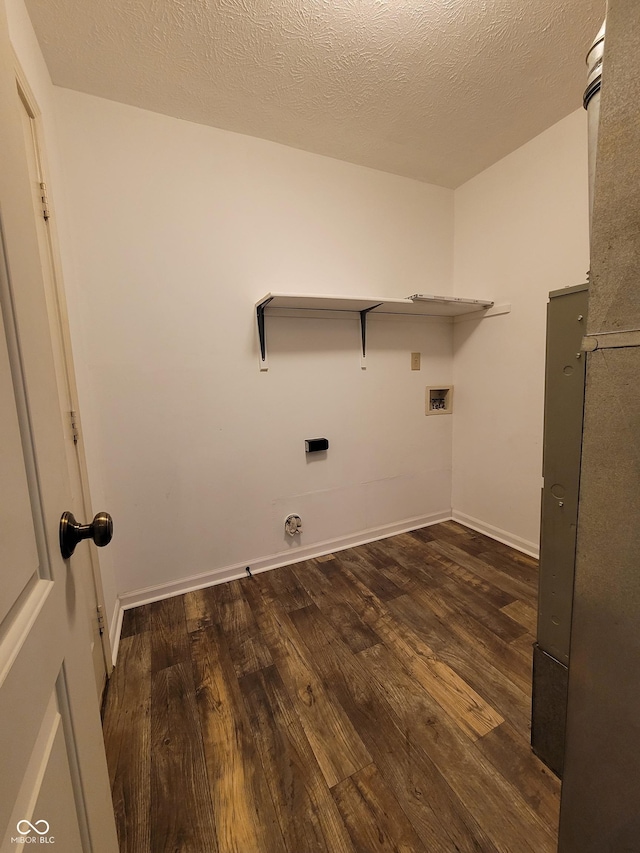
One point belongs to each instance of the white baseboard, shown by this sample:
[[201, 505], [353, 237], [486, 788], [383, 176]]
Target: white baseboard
[[136, 597], [115, 629], [530, 548]]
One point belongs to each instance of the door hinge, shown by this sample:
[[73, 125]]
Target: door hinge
[[75, 430], [45, 200], [100, 619]]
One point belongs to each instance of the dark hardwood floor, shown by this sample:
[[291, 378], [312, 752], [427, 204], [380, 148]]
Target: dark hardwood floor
[[377, 700]]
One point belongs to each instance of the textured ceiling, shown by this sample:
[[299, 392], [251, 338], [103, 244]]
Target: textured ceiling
[[433, 89]]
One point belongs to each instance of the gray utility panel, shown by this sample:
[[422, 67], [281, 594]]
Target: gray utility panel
[[562, 446]]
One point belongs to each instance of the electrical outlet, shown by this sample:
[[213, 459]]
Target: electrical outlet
[[415, 361]]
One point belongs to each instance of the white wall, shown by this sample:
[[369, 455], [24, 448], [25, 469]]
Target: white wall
[[521, 230], [177, 230], [35, 70]]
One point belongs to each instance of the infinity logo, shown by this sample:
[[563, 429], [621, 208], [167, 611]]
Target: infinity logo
[[32, 826]]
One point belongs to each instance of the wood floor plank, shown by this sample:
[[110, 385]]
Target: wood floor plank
[[185, 822], [308, 818], [496, 805], [336, 744], [465, 580], [287, 587], [474, 716], [373, 815], [199, 609], [467, 707], [244, 813], [458, 626], [426, 534], [128, 624], [169, 643], [483, 668], [516, 587], [463, 537], [471, 632], [409, 569], [385, 553], [246, 646], [524, 646], [127, 736], [354, 632], [437, 815], [135, 621], [509, 558], [520, 566], [499, 671], [503, 555], [524, 614], [352, 560], [512, 757], [226, 605], [462, 699], [515, 563], [325, 558]]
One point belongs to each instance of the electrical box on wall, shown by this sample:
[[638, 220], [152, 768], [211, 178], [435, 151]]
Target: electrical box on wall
[[439, 400], [313, 445]]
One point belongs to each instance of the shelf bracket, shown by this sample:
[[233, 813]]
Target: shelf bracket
[[363, 334], [262, 335]]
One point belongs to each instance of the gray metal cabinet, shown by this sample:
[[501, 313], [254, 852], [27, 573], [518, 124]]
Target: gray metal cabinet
[[564, 406]]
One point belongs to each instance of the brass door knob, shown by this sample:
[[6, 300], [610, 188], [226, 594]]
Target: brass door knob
[[100, 530]]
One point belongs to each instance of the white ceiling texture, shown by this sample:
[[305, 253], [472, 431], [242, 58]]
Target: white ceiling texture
[[432, 89]]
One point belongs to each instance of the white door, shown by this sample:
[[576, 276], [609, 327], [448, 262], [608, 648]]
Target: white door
[[85, 559], [53, 778]]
